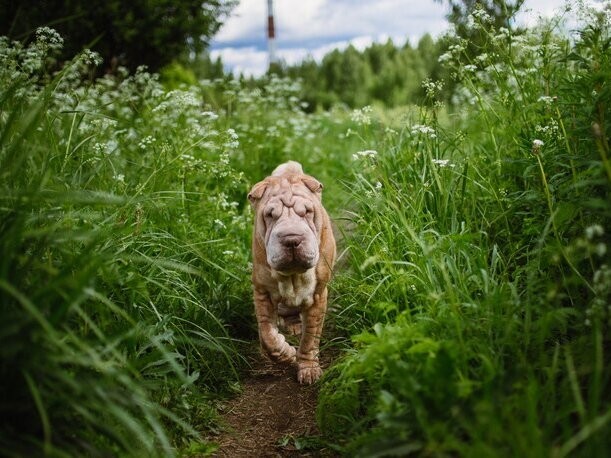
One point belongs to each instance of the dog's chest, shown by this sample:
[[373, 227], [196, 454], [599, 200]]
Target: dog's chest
[[296, 290]]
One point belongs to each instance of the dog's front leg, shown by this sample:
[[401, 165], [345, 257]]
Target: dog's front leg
[[308, 367], [274, 343]]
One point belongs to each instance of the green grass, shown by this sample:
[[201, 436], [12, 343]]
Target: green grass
[[470, 306], [118, 308], [479, 291]]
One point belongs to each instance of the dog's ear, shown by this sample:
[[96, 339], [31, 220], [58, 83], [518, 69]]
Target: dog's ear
[[312, 184], [257, 191]]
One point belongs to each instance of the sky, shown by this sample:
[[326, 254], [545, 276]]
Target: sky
[[315, 27]]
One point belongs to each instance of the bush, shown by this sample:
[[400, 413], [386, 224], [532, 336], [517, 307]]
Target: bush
[[479, 280], [118, 207]]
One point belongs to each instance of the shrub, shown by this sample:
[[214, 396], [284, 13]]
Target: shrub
[[118, 203], [479, 303]]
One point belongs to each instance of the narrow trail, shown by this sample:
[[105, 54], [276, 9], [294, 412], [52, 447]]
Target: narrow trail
[[273, 415]]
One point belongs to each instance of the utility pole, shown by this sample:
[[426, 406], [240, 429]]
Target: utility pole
[[271, 33]]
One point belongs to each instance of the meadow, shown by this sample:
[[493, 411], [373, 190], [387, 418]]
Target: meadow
[[471, 306]]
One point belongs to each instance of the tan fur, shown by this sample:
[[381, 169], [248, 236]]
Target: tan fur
[[293, 256]]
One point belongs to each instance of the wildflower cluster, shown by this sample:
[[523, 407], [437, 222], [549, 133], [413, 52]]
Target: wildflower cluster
[[432, 88], [478, 18], [367, 154], [268, 123], [443, 163], [362, 116], [423, 130]]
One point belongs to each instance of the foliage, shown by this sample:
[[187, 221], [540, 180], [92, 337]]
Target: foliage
[[464, 14], [143, 32], [478, 294], [382, 73], [124, 249], [471, 300], [125, 244]]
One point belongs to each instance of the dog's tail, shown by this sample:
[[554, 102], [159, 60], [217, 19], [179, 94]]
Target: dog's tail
[[288, 168]]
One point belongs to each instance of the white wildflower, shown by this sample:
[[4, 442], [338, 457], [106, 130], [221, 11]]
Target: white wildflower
[[536, 146], [593, 231], [362, 116], [99, 148], [443, 163], [232, 134], [481, 15], [210, 115], [370, 153], [390, 131], [89, 57], [432, 88], [46, 36], [546, 99], [482, 58], [445, 57], [146, 142], [550, 130], [600, 249], [503, 32], [424, 130]]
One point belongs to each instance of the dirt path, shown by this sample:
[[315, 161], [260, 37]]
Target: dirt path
[[274, 416]]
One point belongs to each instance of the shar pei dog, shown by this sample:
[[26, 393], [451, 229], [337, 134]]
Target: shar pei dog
[[293, 254]]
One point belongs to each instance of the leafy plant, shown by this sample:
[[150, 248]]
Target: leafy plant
[[479, 250]]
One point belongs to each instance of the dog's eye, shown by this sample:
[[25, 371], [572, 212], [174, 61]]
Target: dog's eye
[[271, 212]]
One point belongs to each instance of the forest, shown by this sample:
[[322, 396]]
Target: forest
[[468, 178]]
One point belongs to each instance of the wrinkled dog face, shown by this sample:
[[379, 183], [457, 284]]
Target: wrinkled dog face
[[288, 223]]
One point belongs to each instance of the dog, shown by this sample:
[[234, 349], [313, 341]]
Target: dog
[[293, 255]]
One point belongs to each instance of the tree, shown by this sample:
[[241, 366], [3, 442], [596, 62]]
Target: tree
[[498, 13], [313, 93], [354, 78], [130, 33], [382, 61]]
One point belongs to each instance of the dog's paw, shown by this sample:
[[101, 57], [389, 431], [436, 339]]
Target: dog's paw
[[287, 354], [308, 372]]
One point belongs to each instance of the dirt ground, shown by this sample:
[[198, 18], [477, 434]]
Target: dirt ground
[[274, 416]]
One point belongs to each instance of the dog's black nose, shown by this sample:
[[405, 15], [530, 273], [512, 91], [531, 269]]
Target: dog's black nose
[[292, 241]]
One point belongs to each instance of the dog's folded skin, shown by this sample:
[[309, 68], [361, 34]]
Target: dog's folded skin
[[293, 255]]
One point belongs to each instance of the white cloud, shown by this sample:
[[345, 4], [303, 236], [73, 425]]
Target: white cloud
[[348, 18], [316, 27], [247, 61], [246, 21], [320, 21], [533, 10]]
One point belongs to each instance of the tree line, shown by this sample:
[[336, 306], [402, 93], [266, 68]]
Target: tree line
[[383, 73]]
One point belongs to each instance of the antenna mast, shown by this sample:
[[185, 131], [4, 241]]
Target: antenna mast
[[271, 32]]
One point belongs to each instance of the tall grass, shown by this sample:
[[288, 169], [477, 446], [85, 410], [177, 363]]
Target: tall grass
[[471, 300], [116, 305], [478, 293], [125, 244]]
